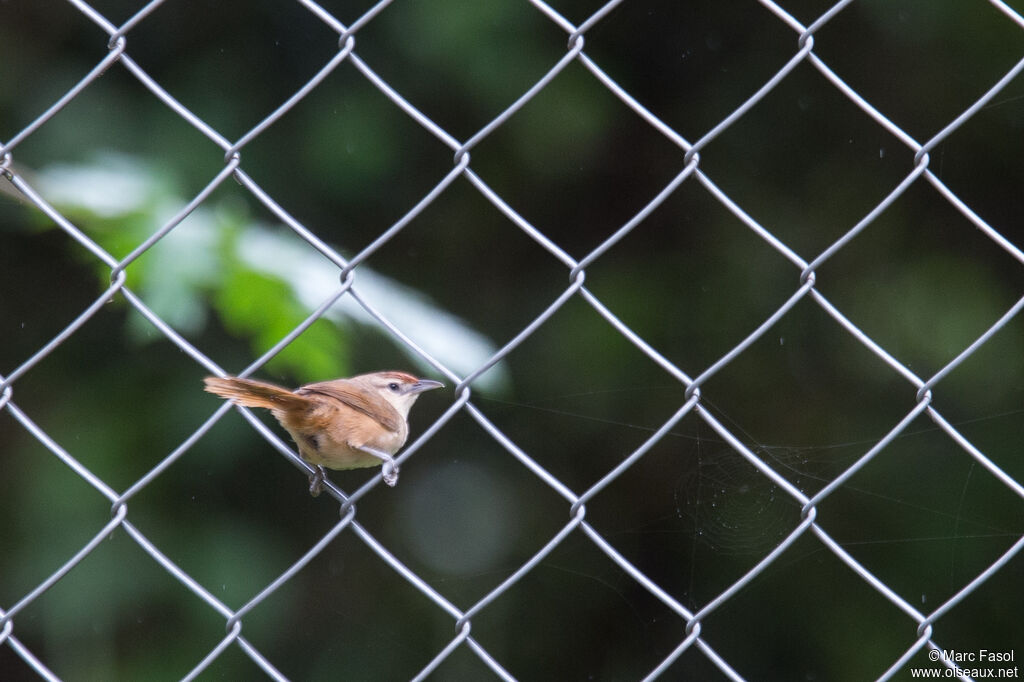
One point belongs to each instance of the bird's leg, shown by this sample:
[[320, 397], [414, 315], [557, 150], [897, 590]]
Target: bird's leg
[[389, 470], [316, 480]]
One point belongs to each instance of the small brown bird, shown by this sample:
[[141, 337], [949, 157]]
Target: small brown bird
[[340, 424]]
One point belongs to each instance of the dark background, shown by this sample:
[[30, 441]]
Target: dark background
[[692, 280]]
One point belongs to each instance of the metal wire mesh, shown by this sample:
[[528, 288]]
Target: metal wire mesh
[[927, 625]]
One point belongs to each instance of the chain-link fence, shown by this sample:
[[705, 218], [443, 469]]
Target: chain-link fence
[[669, 625]]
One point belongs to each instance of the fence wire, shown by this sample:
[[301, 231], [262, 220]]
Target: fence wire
[[926, 625]]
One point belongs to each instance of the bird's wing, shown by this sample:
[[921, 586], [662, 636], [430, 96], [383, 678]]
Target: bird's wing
[[372, 406]]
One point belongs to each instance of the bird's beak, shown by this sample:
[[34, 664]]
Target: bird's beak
[[424, 385]]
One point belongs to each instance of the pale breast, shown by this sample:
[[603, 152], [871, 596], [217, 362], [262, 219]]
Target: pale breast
[[332, 434]]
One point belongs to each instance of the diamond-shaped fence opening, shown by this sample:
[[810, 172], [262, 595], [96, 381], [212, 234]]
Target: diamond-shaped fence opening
[[730, 327]]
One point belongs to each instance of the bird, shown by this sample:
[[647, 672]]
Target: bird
[[340, 424]]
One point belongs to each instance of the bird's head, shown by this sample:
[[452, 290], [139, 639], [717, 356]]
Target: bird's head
[[398, 388]]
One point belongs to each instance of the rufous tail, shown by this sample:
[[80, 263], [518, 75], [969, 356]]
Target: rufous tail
[[253, 393]]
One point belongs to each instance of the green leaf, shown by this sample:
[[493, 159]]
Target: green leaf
[[264, 309]]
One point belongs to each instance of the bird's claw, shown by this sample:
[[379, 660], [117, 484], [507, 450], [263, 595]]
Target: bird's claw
[[316, 481], [389, 470]]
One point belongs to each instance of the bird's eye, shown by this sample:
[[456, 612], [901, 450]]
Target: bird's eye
[[393, 386]]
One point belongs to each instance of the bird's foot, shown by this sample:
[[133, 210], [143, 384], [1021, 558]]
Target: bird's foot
[[389, 470], [316, 481]]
